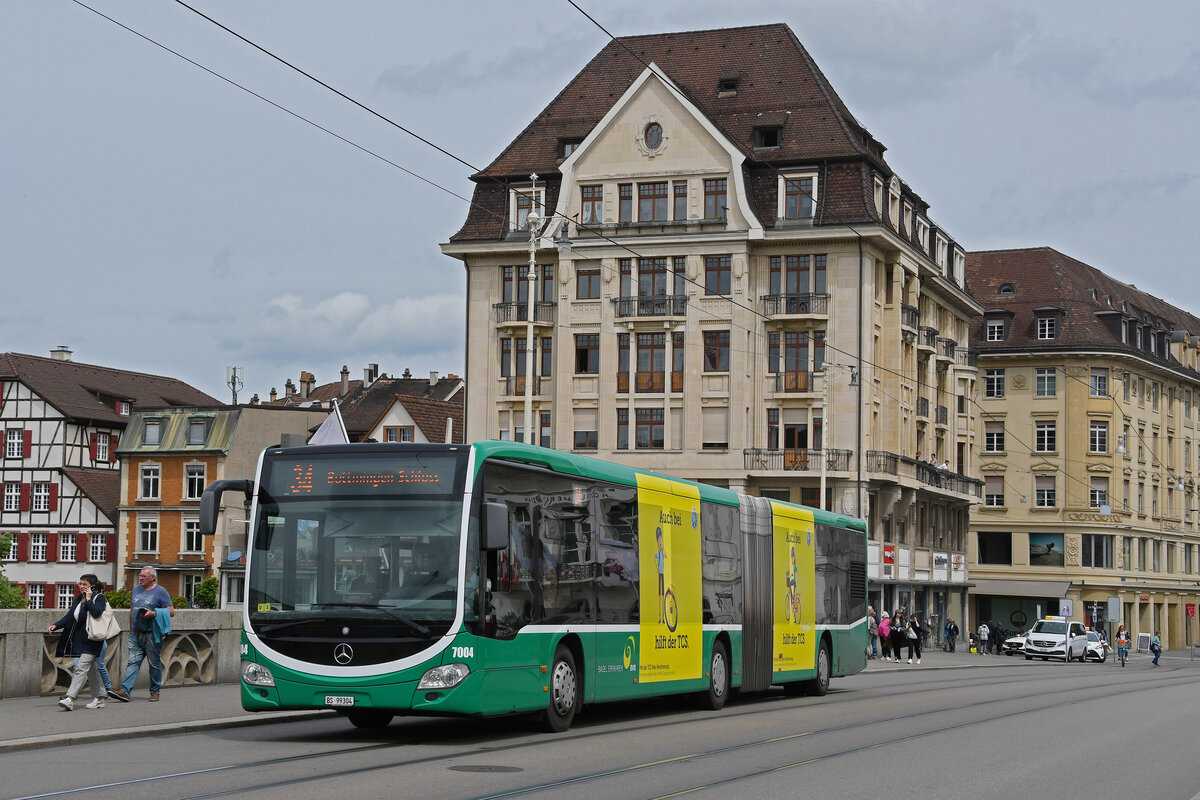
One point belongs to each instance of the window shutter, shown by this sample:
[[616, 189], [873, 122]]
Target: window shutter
[[92, 445], [110, 550], [117, 406], [22, 547], [1, 395], [81, 548], [54, 497], [27, 447], [51, 598], [24, 496], [112, 448], [51, 547]]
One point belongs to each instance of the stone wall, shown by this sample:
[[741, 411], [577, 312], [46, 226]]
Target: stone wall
[[203, 647]]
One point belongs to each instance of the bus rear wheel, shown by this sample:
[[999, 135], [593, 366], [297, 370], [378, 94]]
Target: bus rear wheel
[[819, 685], [718, 677], [372, 719], [564, 692]]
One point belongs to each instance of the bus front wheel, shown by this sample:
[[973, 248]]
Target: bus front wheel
[[564, 692]]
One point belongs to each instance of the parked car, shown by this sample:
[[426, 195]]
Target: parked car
[[1015, 645], [1097, 648], [1056, 637]]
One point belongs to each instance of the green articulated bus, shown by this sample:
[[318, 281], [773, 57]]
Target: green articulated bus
[[501, 578]]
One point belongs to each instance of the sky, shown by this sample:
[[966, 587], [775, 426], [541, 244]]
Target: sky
[[157, 218]]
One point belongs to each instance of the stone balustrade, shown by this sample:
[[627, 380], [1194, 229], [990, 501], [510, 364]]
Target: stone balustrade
[[203, 647]]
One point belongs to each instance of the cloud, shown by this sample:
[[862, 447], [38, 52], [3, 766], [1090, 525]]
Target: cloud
[[1111, 75], [463, 71]]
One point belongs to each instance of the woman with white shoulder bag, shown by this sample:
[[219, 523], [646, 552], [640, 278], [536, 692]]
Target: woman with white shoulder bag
[[75, 641]]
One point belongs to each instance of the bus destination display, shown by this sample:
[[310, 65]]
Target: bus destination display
[[358, 476]]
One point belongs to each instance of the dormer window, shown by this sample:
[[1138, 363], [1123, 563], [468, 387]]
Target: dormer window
[[994, 331], [894, 203], [1046, 320], [768, 136], [727, 87], [1007, 290], [524, 201], [879, 196], [197, 431], [568, 146], [152, 431], [123, 408], [797, 197]]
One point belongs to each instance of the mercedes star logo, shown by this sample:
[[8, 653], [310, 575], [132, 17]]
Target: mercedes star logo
[[343, 654]]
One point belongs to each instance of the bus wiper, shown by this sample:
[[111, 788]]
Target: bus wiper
[[279, 626], [416, 626]]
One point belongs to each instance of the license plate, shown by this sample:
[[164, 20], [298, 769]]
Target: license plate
[[338, 700]]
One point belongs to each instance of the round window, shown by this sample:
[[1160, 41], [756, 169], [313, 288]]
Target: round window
[[653, 136]]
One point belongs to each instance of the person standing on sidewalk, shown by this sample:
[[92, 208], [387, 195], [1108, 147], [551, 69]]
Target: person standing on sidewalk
[[75, 641], [981, 636], [899, 638], [1156, 647], [913, 634], [147, 628], [872, 633], [951, 634], [885, 632]]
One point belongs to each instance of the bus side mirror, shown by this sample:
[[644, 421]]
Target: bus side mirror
[[495, 526], [210, 501]]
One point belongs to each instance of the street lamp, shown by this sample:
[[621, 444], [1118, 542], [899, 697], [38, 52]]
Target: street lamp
[[533, 221], [826, 427]]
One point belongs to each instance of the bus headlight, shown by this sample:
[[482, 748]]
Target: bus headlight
[[256, 674], [444, 677]]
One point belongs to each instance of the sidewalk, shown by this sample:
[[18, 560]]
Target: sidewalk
[[182, 709], [934, 658]]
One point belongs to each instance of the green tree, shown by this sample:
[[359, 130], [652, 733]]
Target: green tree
[[119, 598], [10, 596], [205, 595]]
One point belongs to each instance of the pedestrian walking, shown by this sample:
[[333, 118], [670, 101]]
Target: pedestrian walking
[[147, 629], [981, 638], [872, 633], [885, 635], [951, 634], [898, 635], [1122, 644], [1156, 648], [913, 634], [74, 641]]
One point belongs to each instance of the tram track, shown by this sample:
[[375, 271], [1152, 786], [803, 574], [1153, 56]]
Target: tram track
[[1064, 698]]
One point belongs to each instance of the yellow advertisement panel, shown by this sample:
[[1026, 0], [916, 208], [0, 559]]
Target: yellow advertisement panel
[[795, 597], [669, 551]]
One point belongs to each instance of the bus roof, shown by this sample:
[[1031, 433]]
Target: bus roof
[[586, 466]]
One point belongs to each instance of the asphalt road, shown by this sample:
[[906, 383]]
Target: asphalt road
[[1004, 729]]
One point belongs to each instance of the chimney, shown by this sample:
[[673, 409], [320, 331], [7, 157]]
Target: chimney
[[274, 394], [254, 400], [307, 384], [370, 374], [61, 353], [449, 430], [345, 380], [433, 378], [289, 388]]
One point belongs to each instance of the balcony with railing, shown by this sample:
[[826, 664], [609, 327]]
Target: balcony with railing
[[796, 459], [910, 316], [880, 461], [942, 415], [543, 312], [927, 337], [514, 386], [795, 304], [946, 347], [794, 382], [966, 357], [667, 305], [923, 407]]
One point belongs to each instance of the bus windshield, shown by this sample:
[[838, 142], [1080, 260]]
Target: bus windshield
[[386, 552]]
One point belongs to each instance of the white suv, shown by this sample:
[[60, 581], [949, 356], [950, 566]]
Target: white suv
[[1056, 637]]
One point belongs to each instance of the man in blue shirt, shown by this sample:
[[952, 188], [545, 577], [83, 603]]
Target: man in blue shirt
[[146, 633]]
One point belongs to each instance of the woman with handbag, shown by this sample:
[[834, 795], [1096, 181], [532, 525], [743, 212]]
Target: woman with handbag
[[74, 641], [885, 635], [913, 634], [899, 638]]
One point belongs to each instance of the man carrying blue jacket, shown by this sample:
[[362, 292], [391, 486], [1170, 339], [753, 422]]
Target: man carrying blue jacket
[[147, 629]]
